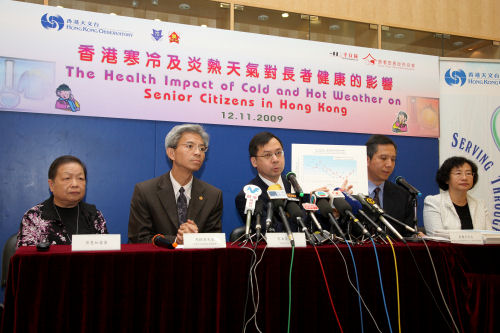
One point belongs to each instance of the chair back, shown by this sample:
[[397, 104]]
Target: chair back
[[236, 233], [8, 251]]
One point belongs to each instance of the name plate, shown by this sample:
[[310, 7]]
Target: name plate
[[205, 240], [96, 242], [466, 237], [280, 239]]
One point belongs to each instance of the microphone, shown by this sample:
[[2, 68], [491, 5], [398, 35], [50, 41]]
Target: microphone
[[279, 197], [395, 220], [311, 208], [292, 178], [345, 209], [380, 212], [357, 208], [407, 186], [269, 215], [160, 241], [252, 194], [259, 206], [355, 204], [295, 212], [327, 211]]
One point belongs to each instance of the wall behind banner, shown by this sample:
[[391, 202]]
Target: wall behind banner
[[119, 153]]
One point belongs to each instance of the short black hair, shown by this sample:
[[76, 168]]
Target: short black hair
[[443, 173], [63, 87], [259, 140], [374, 141], [64, 160]]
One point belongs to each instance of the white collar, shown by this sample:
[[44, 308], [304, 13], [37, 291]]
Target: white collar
[[176, 186]]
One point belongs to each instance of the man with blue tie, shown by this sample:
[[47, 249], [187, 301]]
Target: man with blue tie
[[381, 159]]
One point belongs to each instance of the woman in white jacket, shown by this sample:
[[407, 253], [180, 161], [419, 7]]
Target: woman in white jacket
[[454, 208]]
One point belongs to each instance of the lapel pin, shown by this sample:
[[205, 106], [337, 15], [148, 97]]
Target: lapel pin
[[200, 197]]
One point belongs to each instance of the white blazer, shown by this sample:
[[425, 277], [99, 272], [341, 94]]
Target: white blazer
[[439, 214]]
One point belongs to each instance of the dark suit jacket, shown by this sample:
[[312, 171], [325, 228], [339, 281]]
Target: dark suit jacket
[[153, 209], [397, 203], [240, 201]]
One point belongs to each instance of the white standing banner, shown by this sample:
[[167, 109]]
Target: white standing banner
[[470, 123]]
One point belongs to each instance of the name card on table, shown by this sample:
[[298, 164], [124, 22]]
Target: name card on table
[[96, 242], [466, 237], [280, 239], [205, 240]]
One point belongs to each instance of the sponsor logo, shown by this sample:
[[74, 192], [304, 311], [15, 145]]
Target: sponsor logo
[[252, 189], [456, 77], [52, 22], [370, 59], [370, 201], [157, 35], [56, 22]]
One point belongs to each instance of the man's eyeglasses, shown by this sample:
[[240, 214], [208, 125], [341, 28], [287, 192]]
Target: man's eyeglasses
[[270, 155], [461, 173], [192, 146]]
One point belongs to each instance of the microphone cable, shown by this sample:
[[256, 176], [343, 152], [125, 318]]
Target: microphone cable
[[438, 285], [249, 287], [328, 288], [397, 282], [257, 291], [354, 287], [290, 288], [357, 284], [381, 284]]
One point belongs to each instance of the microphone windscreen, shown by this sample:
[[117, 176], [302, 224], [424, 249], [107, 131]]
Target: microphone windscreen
[[293, 209], [342, 205], [160, 241], [324, 207], [353, 202]]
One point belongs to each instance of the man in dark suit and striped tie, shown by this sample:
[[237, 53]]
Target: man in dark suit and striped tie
[[381, 159]]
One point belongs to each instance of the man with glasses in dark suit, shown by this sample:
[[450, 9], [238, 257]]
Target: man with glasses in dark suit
[[268, 158]]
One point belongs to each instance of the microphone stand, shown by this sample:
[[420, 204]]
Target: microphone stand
[[414, 203]]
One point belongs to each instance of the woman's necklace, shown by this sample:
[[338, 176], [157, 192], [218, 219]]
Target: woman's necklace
[[77, 216]]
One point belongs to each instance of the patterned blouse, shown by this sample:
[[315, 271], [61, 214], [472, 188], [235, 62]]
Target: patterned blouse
[[42, 223]]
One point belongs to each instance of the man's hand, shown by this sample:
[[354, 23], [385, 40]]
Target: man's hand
[[186, 228], [346, 187]]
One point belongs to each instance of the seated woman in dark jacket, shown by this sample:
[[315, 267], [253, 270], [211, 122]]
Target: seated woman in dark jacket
[[64, 214]]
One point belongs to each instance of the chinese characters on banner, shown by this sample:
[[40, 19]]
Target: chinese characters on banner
[[172, 72]]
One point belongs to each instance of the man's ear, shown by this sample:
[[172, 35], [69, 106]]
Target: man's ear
[[171, 153], [253, 160]]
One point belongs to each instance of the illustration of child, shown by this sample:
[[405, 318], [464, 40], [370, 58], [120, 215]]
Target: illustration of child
[[66, 100], [400, 123]]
